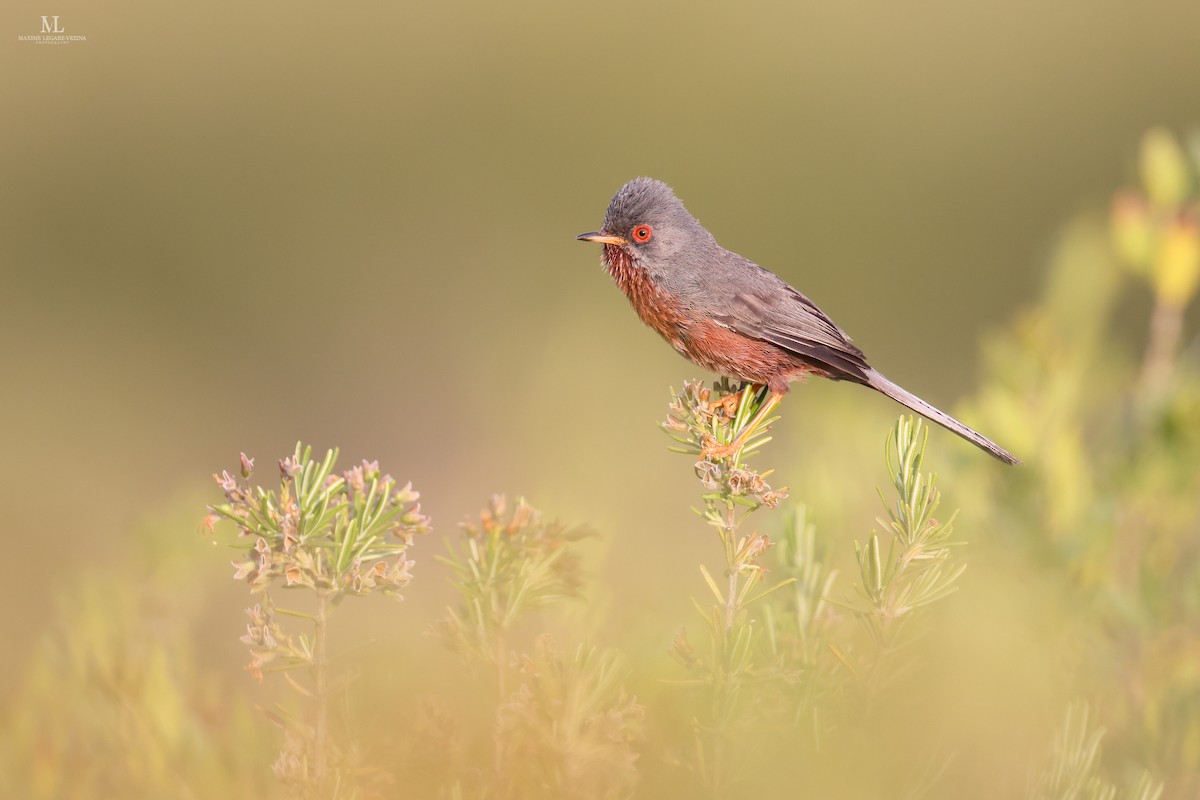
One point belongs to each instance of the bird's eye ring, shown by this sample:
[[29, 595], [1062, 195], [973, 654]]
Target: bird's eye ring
[[642, 233]]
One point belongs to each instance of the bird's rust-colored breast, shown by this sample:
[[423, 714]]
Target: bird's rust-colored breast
[[654, 305], [698, 338]]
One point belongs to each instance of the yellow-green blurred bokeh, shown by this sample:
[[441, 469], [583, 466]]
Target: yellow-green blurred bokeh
[[230, 226]]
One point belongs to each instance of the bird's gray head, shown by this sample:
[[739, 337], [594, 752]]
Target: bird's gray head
[[647, 221]]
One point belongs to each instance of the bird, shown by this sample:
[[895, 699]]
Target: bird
[[730, 316]]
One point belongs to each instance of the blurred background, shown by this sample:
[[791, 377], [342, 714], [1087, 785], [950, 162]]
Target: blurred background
[[230, 227]]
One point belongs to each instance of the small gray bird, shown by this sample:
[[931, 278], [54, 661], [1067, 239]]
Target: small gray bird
[[729, 315]]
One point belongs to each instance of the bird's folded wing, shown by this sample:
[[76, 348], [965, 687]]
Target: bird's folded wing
[[790, 320]]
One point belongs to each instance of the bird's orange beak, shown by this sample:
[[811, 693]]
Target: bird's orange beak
[[602, 238]]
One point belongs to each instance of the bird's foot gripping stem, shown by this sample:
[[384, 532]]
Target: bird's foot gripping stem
[[727, 406], [712, 450]]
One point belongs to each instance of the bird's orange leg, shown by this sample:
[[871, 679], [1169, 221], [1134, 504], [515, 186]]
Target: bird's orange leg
[[714, 450], [728, 405]]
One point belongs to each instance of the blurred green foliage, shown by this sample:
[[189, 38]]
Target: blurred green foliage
[[332, 536], [1082, 590], [1110, 501], [563, 724], [115, 702]]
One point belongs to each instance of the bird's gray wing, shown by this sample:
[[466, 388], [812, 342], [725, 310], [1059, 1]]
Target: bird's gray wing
[[784, 317]]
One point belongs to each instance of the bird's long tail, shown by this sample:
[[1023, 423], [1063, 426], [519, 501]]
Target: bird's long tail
[[907, 398]]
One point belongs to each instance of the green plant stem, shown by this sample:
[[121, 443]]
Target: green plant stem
[[500, 656], [730, 557], [320, 669], [722, 698]]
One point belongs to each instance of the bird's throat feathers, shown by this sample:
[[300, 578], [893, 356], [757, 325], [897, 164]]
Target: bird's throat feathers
[[655, 306], [620, 266]]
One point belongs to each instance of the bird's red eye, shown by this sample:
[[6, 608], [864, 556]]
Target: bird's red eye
[[642, 233]]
